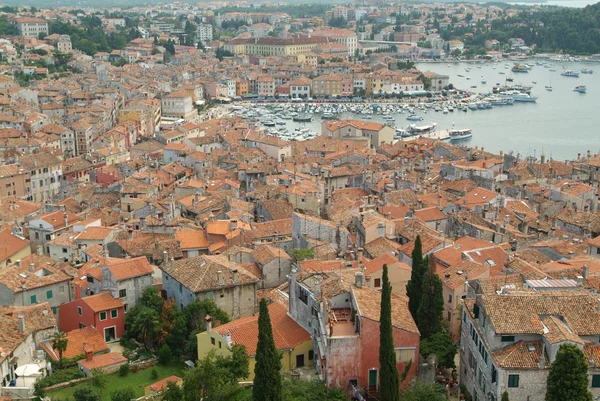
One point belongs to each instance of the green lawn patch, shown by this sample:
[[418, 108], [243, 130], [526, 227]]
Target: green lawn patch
[[138, 381]]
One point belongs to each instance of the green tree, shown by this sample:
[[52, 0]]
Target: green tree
[[85, 394], [389, 388], [441, 345], [426, 81], [424, 392], [60, 344], [123, 394], [145, 325], [237, 364], [413, 287], [267, 371], [172, 393], [568, 378], [302, 390], [505, 396], [99, 379], [210, 381], [431, 309], [299, 255], [151, 299], [164, 355]]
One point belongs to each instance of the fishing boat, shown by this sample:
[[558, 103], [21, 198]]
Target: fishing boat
[[302, 119], [422, 129], [459, 134], [570, 73], [587, 71], [328, 116], [483, 81], [549, 87], [509, 79], [414, 117], [580, 88], [520, 68]]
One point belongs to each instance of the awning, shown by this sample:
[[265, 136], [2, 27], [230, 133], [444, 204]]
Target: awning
[[28, 370]]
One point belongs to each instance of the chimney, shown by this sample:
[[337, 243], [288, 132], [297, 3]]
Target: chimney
[[220, 278], [165, 258], [358, 280], [18, 263], [38, 250], [233, 224], [235, 275], [368, 281], [570, 255], [66, 218], [208, 320], [21, 323], [586, 271], [31, 267], [172, 263], [360, 253]]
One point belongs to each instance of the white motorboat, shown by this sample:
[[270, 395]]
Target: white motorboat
[[414, 117], [580, 88], [459, 134]]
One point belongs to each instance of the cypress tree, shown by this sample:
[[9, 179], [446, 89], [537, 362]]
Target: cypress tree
[[267, 371], [431, 308], [568, 378], [413, 287], [389, 386]]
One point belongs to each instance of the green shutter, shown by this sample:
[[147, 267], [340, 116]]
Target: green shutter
[[49, 294], [102, 315], [595, 381], [33, 299], [513, 380]]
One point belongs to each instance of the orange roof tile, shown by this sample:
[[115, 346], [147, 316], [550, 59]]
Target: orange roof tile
[[102, 302]]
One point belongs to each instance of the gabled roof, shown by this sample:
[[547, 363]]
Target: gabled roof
[[287, 334], [102, 302]]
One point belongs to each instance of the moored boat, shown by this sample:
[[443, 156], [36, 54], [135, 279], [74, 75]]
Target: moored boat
[[458, 134], [569, 73], [580, 88]]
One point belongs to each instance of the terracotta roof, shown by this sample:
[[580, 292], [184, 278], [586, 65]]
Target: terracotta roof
[[266, 229], [123, 269], [192, 239], [287, 334], [104, 360], [11, 244], [521, 314], [162, 384], [201, 273], [369, 306], [266, 253], [87, 337], [102, 302], [519, 355]]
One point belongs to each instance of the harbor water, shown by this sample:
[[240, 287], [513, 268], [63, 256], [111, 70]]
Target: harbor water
[[560, 124]]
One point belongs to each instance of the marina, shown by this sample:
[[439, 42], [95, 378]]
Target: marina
[[505, 115]]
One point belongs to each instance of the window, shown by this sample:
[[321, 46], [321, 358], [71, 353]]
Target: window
[[377, 282], [212, 340], [311, 355], [450, 298], [220, 344], [103, 315], [405, 354], [302, 294], [79, 311], [449, 316], [476, 311], [507, 339], [81, 325], [49, 294], [595, 381], [54, 310], [122, 293], [33, 299], [64, 250], [61, 289], [114, 313], [513, 380], [494, 374], [48, 237], [125, 308]]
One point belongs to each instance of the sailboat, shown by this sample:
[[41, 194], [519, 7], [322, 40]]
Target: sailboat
[[549, 87]]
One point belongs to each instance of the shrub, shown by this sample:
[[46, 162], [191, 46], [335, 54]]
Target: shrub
[[61, 376], [124, 370], [123, 394], [164, 355], [154, 373]]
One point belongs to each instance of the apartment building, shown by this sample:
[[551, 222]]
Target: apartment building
[[32, 26], [204, 33]]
